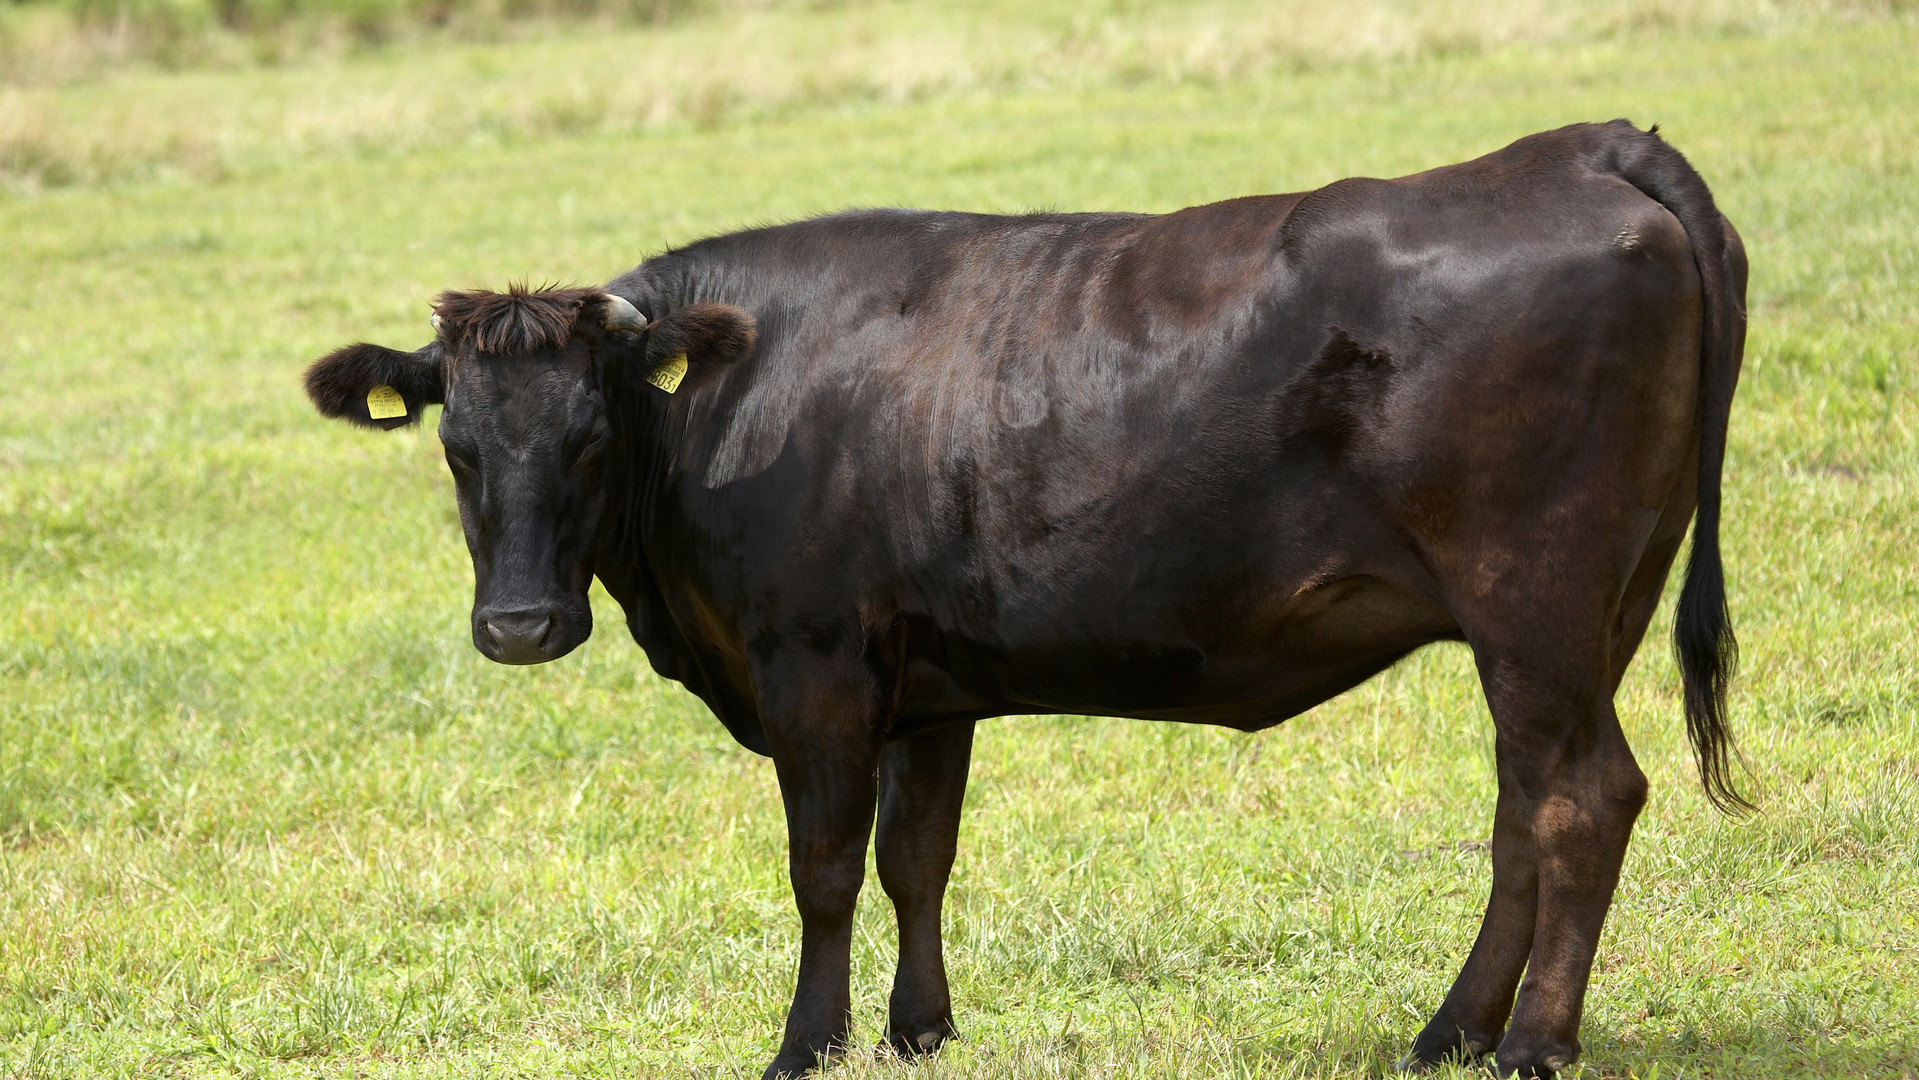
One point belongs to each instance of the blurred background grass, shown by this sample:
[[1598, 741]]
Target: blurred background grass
[[100, 93], [63, 39], [263, 812]]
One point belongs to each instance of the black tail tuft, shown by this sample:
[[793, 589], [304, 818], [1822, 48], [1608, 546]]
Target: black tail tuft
[[1708, 655]]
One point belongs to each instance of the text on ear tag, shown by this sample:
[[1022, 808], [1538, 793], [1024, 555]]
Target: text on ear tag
[[383, 403], [668, 375]]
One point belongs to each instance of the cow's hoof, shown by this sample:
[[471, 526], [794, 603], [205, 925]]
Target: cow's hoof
[[1430, 1052], [795, 1062], [1543, 1062], [915, 1043]]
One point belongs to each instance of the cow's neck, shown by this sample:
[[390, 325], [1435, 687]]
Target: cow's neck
[[638, 519], [634, 479]]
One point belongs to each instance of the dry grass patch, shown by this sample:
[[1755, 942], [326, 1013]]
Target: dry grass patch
[[130, 119]]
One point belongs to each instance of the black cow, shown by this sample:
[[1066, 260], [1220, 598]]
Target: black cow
[[861, 481]]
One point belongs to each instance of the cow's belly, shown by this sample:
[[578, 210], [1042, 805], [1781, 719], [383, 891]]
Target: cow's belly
[[1262, 660]]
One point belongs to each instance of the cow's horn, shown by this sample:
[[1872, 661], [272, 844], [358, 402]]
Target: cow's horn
[[435, 320], [622, 315]]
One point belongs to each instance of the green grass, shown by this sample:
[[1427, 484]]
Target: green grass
[[264, 812]]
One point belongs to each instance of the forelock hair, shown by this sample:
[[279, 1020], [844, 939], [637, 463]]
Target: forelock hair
[[519, 320]]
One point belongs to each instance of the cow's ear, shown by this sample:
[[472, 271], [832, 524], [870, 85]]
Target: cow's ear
[[375, 386], [692, 336]]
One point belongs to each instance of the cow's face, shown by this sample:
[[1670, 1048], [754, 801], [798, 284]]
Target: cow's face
[[523, 376], [526, 438]]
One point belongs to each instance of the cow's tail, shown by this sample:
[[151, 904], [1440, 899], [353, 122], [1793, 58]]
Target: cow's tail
[[1702, 631]]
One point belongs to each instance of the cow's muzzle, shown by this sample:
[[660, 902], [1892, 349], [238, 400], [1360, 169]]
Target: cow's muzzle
[[527, 636]]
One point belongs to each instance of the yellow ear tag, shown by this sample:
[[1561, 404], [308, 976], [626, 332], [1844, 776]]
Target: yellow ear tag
[[384, 403], [668, 375]]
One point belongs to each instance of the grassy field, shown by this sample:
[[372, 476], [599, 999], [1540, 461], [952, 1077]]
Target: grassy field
[[264, 812]]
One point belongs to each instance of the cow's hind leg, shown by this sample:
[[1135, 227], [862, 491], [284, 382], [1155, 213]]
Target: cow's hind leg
[[826, 750], [1596, 761], [1569, 794], [1473, 1016], [922, 785], [1579, 793]]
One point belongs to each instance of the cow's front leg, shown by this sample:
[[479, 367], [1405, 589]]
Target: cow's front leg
[[826, 749], [922, 784]]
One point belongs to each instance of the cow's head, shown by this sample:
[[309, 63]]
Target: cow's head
[[524, 376]]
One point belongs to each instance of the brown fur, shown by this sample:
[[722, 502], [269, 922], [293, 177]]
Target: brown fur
[[704, 332], [338, 382], [516, 322]]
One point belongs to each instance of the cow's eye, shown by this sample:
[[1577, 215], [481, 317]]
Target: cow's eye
[[460, 463], [593, 449]]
